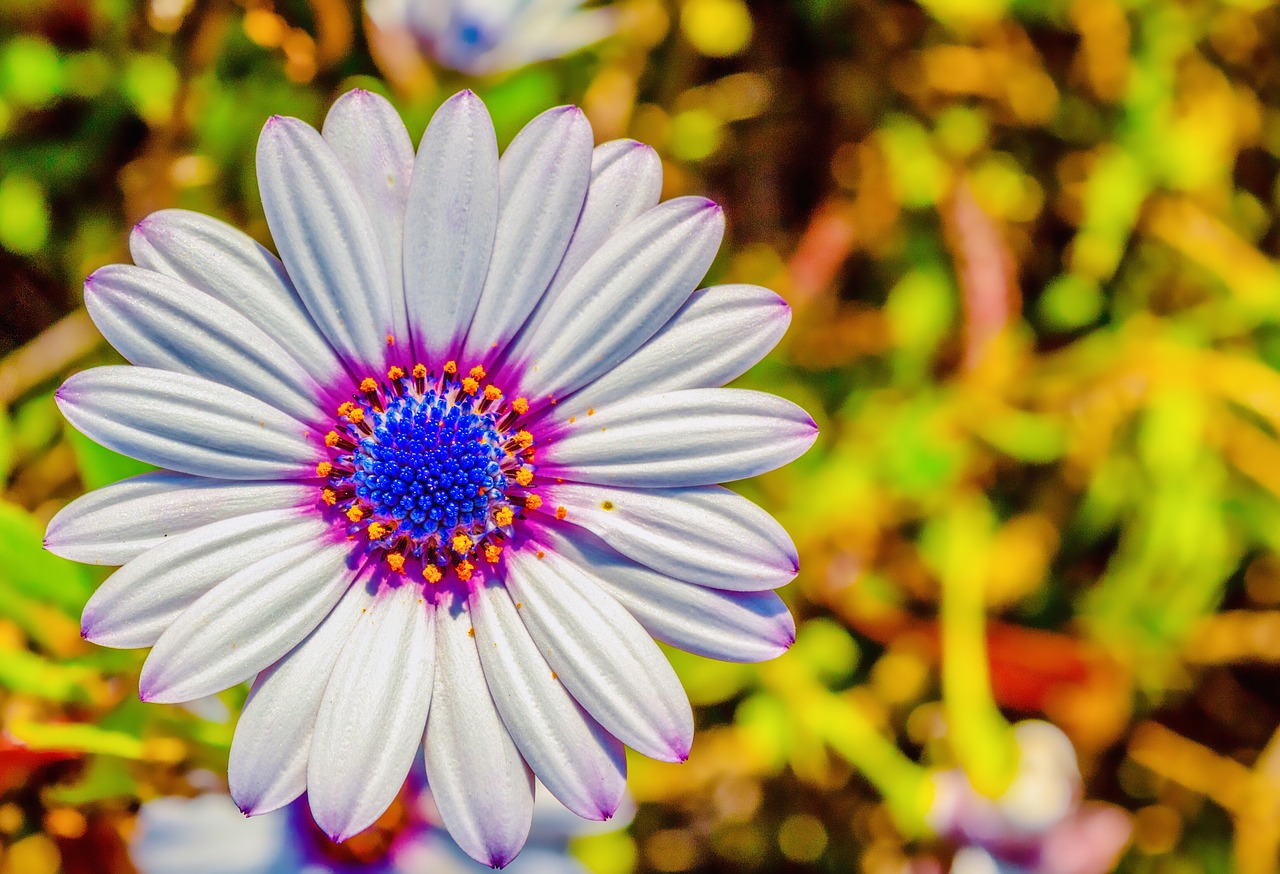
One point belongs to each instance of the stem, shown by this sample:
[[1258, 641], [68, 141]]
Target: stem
[[981, 738]]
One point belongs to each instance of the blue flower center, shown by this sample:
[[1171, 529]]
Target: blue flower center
[[431, 471], [431, 465]]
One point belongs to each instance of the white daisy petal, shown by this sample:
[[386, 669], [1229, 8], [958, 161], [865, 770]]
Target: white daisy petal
[[187, 424], [268, 764], [602, 655], [566, 36], [138, 602], [481, 785], [370, 140], [684, 438], [578, 761], [247, 621], [373, 713], [719, 333], [707, 534], [450, 224], [626, 180], [326, 239], [119, 522], [156, 321], [730, 626], [230, 266], [543, 177], [622, 295]]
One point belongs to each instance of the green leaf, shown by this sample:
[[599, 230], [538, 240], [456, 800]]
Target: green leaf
[[26, 568], [29, 674]]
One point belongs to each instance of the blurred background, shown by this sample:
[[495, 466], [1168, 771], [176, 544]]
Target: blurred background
[[1030, 246]]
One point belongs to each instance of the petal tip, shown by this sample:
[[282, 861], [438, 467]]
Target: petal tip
[[498, 861]]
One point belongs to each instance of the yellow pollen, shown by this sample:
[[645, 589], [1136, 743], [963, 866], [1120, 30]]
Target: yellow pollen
[[329, 497], [561, 512], [345, 408], [533, 502], [391, 341], [470, 386], [464, 570], [395, 372], [395, 561], [356, 416], [419, 371], [331, 439], [540, 554], [591, 411], [524, 476], [491, 552], [324, 468], [492, 393], [520, 405], [368, 384], [528, 455], [377, 531], [524, 438], [462, 544], [451, 367], [504, 516], [355, 514], [477, 372], [431, 573]]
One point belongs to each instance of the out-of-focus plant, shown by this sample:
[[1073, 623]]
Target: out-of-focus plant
[[1031, 252]]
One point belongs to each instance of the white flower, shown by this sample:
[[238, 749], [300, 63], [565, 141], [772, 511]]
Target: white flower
[[479, 37], [455, 454], [208, 835]]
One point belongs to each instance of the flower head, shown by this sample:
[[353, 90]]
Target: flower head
[[1038, 825], [480, 37], [403, 558], [207, 833]]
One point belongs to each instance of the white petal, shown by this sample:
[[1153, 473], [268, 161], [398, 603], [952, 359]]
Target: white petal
[[232, 267], [704, 534], [626, 180], [624, 293], [604, 658], [373, 713], [188, 424], [450, 224], [559, 37], [268, 764], [326, 239], [731, 626], [719, 333], [481, 785], [119, 522], [156, 321], [683, 438], [138, 602], [247, 621], [370, 140], [543, 178], [579, 762]]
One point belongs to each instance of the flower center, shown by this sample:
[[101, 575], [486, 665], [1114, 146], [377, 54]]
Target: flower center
[[431, 470]]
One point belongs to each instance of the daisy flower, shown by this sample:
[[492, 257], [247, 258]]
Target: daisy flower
[[438, 475], [208, 835], [480, 37], [1038, 825]]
